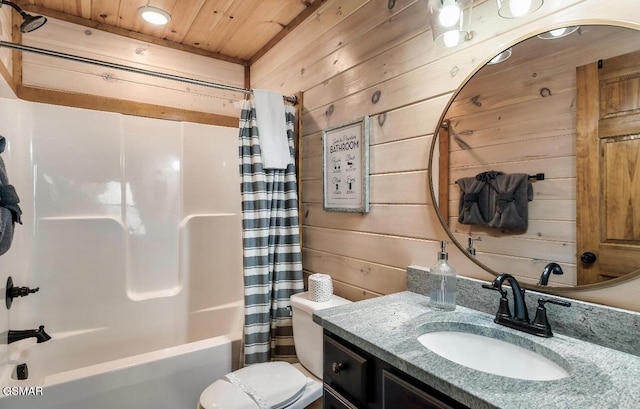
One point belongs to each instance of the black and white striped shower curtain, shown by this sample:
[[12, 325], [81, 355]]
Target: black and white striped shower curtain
[[271, 241]]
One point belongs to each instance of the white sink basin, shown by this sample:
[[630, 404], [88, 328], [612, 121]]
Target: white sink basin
[[492, 355]]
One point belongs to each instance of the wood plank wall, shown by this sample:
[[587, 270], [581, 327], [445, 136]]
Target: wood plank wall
[[6, 55], [339, 59], [54, 80]]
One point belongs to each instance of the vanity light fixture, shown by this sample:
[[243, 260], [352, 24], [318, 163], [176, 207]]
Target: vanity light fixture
[[558, 33], [517, 8], [450, 21], [154, 15], [500, 57]]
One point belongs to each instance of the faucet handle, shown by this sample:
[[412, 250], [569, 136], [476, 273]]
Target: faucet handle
[[543, 301], [541, 321], [503, 309], [503, 293], [12, 292]]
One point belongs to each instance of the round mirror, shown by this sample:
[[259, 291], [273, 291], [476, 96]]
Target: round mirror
[[535, 168]]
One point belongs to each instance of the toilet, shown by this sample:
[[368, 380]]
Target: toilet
[[278, 385]]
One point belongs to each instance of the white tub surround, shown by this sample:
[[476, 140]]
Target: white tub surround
[[131, 230]]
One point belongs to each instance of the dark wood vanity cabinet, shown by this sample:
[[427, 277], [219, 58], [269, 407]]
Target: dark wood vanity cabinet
[[354, 379]]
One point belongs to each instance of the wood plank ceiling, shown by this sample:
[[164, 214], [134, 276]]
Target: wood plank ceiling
[[238, 30]]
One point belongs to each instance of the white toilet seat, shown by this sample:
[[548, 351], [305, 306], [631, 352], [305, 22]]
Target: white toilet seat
[[274, 385], [280, 384]]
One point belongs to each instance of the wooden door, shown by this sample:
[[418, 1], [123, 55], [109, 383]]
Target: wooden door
[[608, 168]]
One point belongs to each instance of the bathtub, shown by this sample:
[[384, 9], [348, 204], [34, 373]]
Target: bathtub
[[168, 378]]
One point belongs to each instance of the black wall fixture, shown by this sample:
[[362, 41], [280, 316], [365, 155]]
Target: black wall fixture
[[13, 292]]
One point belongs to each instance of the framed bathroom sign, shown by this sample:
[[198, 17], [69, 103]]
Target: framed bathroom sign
[[345, 153]]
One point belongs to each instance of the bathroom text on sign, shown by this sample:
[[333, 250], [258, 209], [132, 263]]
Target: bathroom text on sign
[[345, 167]]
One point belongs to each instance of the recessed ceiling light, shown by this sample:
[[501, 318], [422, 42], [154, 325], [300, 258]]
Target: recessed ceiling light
[[500, 57], [154, 15], [517, 8], [558, 33]]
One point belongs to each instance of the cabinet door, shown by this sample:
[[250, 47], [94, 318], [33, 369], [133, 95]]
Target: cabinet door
[[397, 393], [333, 400], [345, 370]]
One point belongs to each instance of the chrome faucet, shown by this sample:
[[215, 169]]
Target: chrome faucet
[[520, 318], [548, 269], [38, 334]]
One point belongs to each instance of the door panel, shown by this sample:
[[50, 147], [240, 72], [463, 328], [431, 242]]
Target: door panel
[[608, 167]]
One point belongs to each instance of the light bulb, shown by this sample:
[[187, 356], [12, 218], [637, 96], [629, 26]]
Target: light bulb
[[450, 14], [500, 57], [519, 8], [558, 31], [154, 15], [451, 38]]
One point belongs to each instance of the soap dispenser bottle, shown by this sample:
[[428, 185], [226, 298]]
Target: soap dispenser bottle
[[442, 282]]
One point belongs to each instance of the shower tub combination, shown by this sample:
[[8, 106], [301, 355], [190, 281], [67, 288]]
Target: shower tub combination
[[133, 234], [192, 339], [169, 378]]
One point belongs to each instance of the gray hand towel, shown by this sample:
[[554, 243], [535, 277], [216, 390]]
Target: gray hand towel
[[477, 198], [514, 192], [473, 201], [10, 212]]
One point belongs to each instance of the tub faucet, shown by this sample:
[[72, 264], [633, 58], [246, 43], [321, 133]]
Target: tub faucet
[[38, 334], [548, 269]]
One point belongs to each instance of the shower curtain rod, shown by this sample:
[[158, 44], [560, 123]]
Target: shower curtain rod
[[293, 99]]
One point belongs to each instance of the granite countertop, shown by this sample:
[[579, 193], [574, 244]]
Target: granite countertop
[[388, 327]]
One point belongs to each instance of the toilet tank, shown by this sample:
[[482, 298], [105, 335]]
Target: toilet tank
[[307, 335]]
